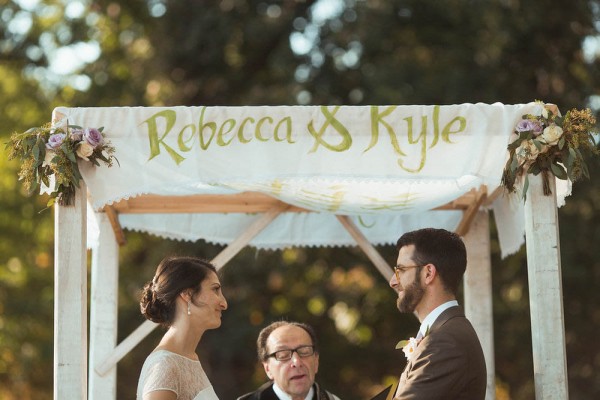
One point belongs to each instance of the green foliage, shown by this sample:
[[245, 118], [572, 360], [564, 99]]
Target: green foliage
[[40, 160], [547, 144], [236, 52]]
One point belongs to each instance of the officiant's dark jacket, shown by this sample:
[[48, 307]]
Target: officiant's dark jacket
[[266, 392], [448, 363]]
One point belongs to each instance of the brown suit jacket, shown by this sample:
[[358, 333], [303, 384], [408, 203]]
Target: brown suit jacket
[[448, 363]]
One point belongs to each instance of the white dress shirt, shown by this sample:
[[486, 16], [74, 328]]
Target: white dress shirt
[[433, 315], [284, 396]]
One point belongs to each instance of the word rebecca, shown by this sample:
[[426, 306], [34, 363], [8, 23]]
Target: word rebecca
[[332, 135]]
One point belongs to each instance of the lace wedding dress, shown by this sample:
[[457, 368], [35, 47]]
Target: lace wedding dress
[[164, 370]]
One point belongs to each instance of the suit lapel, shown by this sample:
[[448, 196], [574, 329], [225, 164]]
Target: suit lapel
[[448, 314]]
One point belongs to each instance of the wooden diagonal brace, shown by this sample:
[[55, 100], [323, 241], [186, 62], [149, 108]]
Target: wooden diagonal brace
[[113, 218], [471, 211]]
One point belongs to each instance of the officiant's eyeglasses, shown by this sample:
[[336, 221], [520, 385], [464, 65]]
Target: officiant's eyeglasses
[[284, 355], [401, 268]]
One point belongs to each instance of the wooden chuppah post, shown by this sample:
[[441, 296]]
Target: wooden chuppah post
[[103, 308], [545, 292], [478, 292], [70, 298]]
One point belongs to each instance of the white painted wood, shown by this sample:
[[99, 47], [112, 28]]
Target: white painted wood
[[221, 259], [382, 266], [124, 347], [242, 241], [478, 292], [103, 310], [545, 292], [70, 299]]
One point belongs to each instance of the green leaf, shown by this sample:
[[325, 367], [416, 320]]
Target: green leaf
[[584, 169], [561, 142], [76, 172], [36, 152], [525, 187], [514, 164], [558, 171], [401, 344], [68, 152], [514, 145], [570, 160], [534, 169]]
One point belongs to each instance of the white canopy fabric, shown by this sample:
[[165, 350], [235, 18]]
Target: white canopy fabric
[[387, 167]]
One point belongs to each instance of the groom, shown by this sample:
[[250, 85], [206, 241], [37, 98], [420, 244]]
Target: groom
[[446, 360]]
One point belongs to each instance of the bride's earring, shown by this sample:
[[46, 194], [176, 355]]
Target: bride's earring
[[189, 309]]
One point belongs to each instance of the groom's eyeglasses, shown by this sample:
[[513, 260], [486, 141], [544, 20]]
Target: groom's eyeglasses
[[284, 355], [402, 269]]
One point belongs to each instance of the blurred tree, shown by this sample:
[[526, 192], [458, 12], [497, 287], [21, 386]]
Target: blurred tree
[[236, 52]]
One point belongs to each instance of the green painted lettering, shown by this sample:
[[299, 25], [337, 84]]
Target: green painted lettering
[[212, 126], [288, 130], [436, 126], [155, 141], [330, 119], [412, 140], [376, 120], [462, 122], [182, 141], [224, 130], [257, 131], [240, 133]]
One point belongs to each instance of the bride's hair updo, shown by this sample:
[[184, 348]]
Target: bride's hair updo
[[173, 276]]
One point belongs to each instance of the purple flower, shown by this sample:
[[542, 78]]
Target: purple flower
[[527, 125], [93, 137], [76, 135], [55, 140]]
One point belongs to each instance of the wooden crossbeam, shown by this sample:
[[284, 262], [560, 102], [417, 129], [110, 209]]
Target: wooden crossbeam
[[253, 202], [246, 202]]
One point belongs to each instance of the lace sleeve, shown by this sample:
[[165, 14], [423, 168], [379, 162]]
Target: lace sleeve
[[160, 373]]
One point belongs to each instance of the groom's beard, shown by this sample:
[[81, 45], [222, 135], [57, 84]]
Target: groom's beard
[[412, 296]]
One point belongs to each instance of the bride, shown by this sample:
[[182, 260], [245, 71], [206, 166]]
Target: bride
[[185, 297]]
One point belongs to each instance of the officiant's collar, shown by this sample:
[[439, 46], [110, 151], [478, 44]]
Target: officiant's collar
[[284, 396]]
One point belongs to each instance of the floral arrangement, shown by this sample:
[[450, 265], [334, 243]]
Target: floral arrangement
[[549, 144], [49, 156]]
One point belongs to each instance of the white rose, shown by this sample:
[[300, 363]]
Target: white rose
[[49, 156], [527, 151], [551, 134], [410, 348], [84, 150]]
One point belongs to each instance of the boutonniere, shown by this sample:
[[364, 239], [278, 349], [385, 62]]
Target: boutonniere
[[409, 346]]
